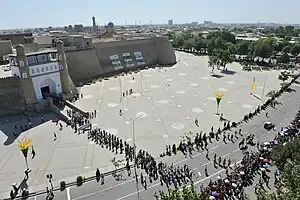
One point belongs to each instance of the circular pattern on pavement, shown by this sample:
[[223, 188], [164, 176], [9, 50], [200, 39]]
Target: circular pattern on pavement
[[158, 120], [113, 88], [99, 101], [112, 105], [181, 74], [197, 110], [194, 84], [205, 104], [136, 94], [222, 89], [188, 117], [131, 81], [177, 126], [128, 139], [169, 79], [154, 86], [112, 131], [248, 106], [165, 136], [148, 75], [180, 92], [163, 102], [211, 98], [88, 96], [127, 122], [229, 102], [141, 114], [205, 78], [179, 106], [231, 82], [149, 98]]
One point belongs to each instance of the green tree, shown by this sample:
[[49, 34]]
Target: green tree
[[284, 58], [286, 49], [188, 44], [243, 48], [295, 50]]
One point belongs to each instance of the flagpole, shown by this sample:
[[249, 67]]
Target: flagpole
[[262, 95]]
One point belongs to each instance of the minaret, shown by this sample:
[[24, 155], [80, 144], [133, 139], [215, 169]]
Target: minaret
[[64, 73], [94, 23], [26, 81]]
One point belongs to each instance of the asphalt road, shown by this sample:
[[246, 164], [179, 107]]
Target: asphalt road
[[126, 188]]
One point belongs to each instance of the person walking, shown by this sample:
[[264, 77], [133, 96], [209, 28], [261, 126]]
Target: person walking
[[32, 152]]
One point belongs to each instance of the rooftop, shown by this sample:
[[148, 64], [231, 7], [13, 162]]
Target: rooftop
[[42, 51]]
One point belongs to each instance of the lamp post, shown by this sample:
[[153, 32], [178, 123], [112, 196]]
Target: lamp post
[[134, 153]]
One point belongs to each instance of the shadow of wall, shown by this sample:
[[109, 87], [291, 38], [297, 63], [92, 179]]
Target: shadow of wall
[[12, 100]]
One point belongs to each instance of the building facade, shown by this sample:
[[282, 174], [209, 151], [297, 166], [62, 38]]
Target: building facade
[[41, 73]]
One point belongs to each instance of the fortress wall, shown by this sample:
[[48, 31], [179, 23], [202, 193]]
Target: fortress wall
[[11, 96], [106, 49], [83, 65], [87, 64], [165, 52]]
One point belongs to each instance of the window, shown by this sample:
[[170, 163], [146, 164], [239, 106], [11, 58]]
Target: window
[[55, 67], [31, 60], [38, 70], [51, 68], [42, 69], [32, 71], [42, 58], [21, 63], [24, 75], [53, 56], [47, 68]]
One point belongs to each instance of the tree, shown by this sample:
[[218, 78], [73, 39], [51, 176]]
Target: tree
[[224, 57], [186, 193], [295, 50], [188, 44], [243, 48], [178, 41], [286, 49], [284, 58], [213, 61]]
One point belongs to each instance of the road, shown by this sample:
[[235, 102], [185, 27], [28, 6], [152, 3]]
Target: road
[[126, 189]]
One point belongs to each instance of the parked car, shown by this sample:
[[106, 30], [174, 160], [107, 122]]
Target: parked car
[[268, 126]]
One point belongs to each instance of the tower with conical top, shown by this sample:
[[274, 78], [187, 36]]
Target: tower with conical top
[[68, 87]]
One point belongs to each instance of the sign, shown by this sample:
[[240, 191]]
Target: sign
[[114, 57], [137, 54], [128, 59], [126, 54]]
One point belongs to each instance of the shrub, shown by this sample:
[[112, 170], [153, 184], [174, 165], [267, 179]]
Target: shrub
[[62, 185], [79, 181]]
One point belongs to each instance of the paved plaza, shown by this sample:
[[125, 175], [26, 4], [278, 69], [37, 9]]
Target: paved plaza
[[168, 101]]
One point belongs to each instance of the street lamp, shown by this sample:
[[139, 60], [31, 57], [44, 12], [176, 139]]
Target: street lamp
[[134, 153]]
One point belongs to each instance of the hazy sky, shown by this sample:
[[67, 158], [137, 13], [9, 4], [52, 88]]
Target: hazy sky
[[44, 13]]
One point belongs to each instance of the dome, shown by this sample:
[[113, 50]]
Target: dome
[[110, 25]]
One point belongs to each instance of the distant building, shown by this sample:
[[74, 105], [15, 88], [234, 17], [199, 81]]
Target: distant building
[[110, 27], [17, 38], [207, 23], [194, 24], [78, 28], [170, 22]]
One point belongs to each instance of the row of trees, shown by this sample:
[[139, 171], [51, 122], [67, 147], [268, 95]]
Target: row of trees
[[223, 44]]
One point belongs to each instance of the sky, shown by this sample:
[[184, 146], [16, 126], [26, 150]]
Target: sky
[[44, 13]]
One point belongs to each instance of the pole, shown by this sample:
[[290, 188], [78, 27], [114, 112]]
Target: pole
[[26, 162], [141, 82], [135, 161], [263, 92], [217, 109], [120, 85]]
